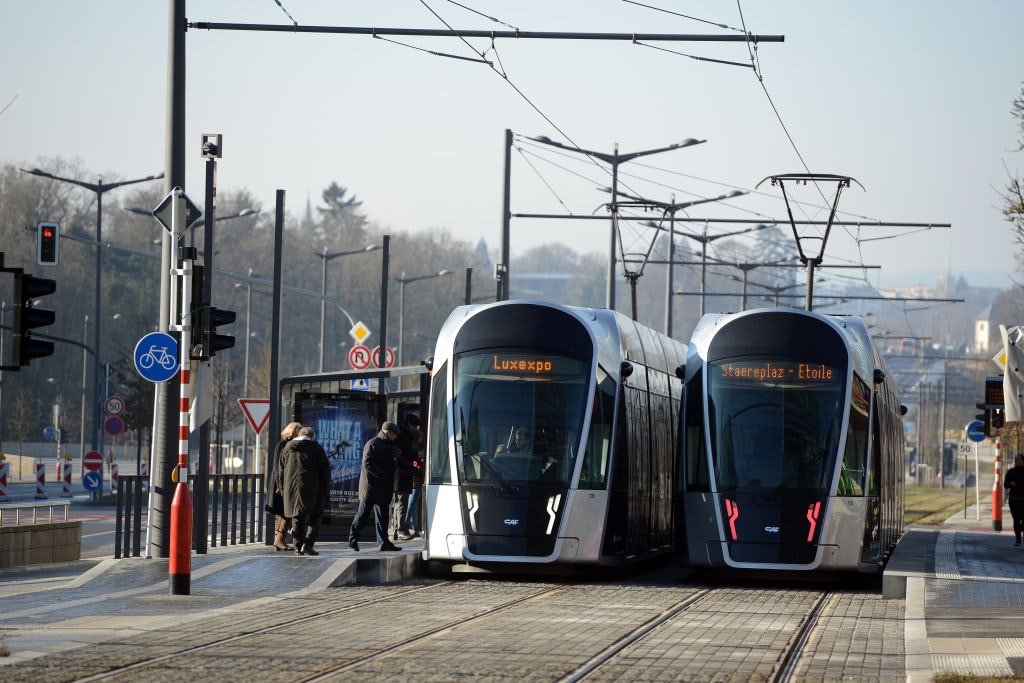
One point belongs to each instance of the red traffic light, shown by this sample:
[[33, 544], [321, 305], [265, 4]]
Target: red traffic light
[[48, 244]]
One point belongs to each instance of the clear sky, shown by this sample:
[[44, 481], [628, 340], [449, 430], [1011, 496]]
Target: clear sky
[[911, 98]]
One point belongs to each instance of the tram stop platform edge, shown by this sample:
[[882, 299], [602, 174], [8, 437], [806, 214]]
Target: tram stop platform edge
[[963, 584]]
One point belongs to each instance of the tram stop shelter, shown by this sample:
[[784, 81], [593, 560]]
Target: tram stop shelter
[[346, 409]]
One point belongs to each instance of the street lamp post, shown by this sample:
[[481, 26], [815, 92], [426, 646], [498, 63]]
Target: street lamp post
[[248, 333], [670, 208], [614, 159], [99, 187], [403, 280], [706, 239], [325, 257], [81, 427]]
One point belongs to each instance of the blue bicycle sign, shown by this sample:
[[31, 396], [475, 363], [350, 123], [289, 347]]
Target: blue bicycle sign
[[156, 357]]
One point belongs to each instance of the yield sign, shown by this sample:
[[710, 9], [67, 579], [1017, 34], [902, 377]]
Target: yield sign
[[256, 410]]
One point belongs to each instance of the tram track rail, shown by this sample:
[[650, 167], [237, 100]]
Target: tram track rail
[[358, 638]]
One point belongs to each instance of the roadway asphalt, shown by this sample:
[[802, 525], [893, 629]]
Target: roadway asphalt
[[963, 585]]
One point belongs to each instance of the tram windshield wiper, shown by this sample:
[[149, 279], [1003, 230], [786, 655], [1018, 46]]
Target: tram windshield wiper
[[482, 459]]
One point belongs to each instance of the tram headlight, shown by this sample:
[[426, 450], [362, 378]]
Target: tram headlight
[[553, 502], [472, 505]]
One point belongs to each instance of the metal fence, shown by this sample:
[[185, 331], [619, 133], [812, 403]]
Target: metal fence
[[230, 512]]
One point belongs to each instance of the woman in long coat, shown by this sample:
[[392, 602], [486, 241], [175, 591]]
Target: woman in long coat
[[284, 523], [306, 473]]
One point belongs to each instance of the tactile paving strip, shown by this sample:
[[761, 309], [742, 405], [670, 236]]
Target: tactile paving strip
[[972, 665]]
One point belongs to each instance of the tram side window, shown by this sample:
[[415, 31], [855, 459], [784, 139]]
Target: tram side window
[[852, 472], [594, 474], [440, 470], [874, 474], [695, 458]]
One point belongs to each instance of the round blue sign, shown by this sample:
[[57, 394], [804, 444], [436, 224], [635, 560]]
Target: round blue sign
[[156, 357], [92, 481], [49, 432], [113, 425], [975, 430]]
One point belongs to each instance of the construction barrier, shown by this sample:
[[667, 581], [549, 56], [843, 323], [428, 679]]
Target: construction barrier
[[66, 479], [40, 481], [5, 468]]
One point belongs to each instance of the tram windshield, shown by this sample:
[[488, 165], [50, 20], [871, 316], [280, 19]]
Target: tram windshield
[[774, 424], [518, 416]]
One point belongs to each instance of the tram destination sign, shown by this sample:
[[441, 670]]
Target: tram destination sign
[[774, 370]]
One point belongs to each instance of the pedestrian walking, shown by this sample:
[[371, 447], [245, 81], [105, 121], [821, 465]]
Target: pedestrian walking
[[1014, 484], [284, 522], [376, 486], [306, 482]]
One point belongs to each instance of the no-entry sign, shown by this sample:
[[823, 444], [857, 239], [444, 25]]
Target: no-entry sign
[[92, 461]]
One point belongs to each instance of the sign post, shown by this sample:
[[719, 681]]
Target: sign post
[[975, 430]]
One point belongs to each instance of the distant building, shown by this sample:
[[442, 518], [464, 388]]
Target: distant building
[[983, 331]]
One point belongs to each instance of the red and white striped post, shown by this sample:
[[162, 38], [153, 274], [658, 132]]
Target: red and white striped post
[[997, 494], [179, 566], [113, 477], [40, 481], [66, 479]]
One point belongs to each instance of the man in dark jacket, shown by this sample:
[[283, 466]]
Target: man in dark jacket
[[404, 476], [376, 485], [1014, 484], [306, 481]]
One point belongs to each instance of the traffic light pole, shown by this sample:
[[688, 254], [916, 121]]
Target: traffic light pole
[[179, 567]]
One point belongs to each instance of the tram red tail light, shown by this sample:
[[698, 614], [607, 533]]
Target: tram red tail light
[[732, 511], [813, 510]]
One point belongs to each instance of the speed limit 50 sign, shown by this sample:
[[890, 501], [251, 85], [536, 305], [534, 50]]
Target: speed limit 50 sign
[[114, 405]]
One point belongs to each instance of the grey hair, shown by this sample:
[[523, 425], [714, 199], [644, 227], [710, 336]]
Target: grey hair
[[307, 431]]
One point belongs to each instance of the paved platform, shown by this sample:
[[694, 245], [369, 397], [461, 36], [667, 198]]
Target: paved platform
[[964, 589], [963, 585]]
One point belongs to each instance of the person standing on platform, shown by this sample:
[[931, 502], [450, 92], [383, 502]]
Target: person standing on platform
[[307, 481], [412, 515], [1014, 485], [284, 522], [404, 476], [376, 486]]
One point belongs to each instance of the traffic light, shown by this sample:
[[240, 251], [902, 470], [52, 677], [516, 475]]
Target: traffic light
[[995, 417], [197, 346], [205, 341], [986, 418], [28, 318], [214, 318], [48, 244]]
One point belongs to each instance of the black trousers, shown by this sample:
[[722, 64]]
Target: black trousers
[[305, 530], [1017, 511]]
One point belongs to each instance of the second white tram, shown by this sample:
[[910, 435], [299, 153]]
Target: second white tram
[[793, 454]]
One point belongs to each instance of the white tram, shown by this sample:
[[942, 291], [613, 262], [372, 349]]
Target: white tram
[[591, 395], [793, 451]]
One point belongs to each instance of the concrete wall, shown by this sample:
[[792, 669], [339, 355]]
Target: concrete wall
[[40, 543]]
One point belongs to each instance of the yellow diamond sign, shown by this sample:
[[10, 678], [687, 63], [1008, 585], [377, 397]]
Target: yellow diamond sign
[[359, 332], [1000, 360]]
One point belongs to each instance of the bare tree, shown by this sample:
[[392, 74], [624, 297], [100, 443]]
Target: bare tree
[[1014, 198]]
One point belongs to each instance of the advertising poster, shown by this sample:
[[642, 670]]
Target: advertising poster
[[343, 424]]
